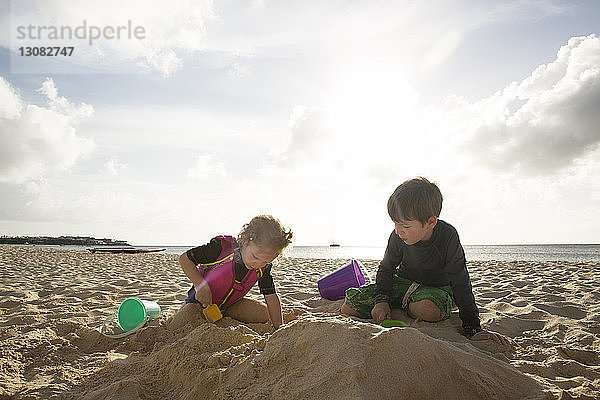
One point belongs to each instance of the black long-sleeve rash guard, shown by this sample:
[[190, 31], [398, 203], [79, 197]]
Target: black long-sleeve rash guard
[[437, 262]]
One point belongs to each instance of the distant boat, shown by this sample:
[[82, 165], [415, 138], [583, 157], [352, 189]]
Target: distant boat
[[334, 245], [127, 250]]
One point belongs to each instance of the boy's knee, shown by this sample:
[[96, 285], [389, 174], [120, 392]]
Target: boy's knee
[[425, 310]]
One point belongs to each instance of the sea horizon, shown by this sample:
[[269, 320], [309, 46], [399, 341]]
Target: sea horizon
[[578, 252]]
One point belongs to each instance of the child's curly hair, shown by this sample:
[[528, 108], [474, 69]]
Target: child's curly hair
[[267, 232]]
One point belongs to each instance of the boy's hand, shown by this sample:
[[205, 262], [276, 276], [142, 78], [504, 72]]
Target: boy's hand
[[203, 294], [496, 337], [381, 311]]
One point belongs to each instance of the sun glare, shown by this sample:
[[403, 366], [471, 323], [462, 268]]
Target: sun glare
[[372, 104]]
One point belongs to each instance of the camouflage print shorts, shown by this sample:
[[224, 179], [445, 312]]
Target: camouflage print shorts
[[362, 299]]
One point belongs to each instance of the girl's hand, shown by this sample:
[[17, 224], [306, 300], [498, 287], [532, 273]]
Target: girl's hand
[[381, 311], [203, 294]]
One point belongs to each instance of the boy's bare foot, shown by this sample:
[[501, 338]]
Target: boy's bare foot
[[346, 309]]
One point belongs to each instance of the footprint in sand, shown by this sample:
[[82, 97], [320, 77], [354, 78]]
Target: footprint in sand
[[520, 284], [587, 357], [567, 310]]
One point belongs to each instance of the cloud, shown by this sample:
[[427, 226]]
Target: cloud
[[370, 127], [557, 121], [239, 71], [61, 104], [206, 167], [37, 140], [114, 166], [165, 61], [170, 31], [311, 135], [10, 101]]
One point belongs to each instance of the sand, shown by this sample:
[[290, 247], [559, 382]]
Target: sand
[[52, 302]]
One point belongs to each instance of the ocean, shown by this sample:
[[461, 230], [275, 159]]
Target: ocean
[[529, 252], [538, 252]]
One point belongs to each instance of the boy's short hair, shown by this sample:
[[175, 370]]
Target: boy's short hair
[[415, 199]]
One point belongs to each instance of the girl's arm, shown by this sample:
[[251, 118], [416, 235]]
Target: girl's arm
[[274, 308], [203, 293]]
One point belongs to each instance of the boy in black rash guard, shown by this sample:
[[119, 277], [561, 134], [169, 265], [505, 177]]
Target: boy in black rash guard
[[423, 268]]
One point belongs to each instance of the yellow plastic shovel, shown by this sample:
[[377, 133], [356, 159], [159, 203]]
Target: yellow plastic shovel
[[212, 313]]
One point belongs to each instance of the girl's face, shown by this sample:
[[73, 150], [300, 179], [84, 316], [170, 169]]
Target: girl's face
[[256, 257]]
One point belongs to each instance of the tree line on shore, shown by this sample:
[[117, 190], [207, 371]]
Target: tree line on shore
[[61, 240]]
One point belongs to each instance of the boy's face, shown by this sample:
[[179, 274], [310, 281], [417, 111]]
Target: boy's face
[[256, 257], [412, 231]]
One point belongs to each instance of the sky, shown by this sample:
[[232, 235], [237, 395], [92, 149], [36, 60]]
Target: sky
[[311, 111]]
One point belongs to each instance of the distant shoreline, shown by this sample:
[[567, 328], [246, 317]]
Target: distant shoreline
[[62, 241]]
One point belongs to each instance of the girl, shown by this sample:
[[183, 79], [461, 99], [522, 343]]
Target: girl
[[225, 269]]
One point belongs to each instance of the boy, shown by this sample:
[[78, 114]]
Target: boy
[[423, 267]]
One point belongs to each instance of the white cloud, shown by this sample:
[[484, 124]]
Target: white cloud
[[10, 101], [170, 31], [164, 61], [310, 141], [371, 123], [205, 167], [61, 104], [558, 121], [114, 166], [374, 121], [239, 71], [37, 140]]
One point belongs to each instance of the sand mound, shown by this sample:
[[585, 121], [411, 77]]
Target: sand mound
[[311, 358]]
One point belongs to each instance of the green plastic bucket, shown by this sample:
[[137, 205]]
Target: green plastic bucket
[[132, 312]]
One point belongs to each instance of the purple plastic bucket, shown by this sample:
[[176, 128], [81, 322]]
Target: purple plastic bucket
[[334, 285]]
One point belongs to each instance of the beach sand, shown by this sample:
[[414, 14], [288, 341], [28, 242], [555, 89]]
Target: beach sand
[[53, 301]]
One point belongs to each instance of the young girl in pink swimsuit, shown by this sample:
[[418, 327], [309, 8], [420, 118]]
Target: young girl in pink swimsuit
[[225, 269]]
